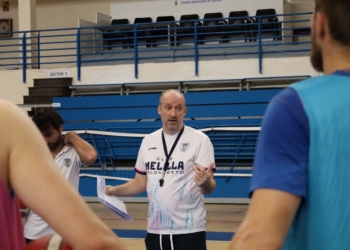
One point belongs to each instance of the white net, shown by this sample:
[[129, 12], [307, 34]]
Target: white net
[[117, 151]]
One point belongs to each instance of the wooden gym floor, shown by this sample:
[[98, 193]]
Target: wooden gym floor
[[222, 221]]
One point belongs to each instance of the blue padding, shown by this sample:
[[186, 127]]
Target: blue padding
[[109, 114], [212, 236], [232, 97], [219, 236], [226, 110], [152, 100], [237, 187], [202, 111], [107, 101], [122, 233]]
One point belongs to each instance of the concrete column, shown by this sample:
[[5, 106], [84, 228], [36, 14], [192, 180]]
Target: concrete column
[[287, 32], [26, 22]]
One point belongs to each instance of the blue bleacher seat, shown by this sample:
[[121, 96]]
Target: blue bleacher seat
[[205, 109]]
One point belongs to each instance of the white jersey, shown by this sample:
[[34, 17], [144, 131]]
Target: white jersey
[[177, 207], [68, 162]]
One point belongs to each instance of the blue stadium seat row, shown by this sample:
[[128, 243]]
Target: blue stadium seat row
[[205, 110]]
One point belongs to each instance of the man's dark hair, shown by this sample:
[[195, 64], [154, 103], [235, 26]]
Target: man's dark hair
[[44, 117], [337, 13]]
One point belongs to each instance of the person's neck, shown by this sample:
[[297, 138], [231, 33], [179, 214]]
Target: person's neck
[[336, 58], [57, 150], [172, 132]]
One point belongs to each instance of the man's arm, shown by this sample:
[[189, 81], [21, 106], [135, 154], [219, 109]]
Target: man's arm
[[279, 176], [135, 186], [131, 188], [209, 188], [86, 152], [267, 222], [39, 184], [204, 178]]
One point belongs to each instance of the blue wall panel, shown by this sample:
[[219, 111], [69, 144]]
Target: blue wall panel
[[152, 100], [237, 187]]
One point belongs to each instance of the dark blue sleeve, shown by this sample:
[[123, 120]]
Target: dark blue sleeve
[[282, 151]]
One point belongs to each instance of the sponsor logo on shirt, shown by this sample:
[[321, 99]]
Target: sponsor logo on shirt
[[154, 167], [163, 159], [184, 147], [67, 162]]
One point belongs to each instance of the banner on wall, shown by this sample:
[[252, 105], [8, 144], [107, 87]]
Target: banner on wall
[[185, 2]]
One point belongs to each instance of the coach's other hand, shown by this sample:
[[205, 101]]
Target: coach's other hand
[[203, 177]]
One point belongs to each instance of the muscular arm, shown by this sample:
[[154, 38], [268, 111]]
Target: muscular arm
[[131, 188], [267, 222], [86, 152], [38, 183], [279, 175]]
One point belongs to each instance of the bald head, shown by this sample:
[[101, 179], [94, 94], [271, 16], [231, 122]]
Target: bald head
[[172, 109], [171, 92]]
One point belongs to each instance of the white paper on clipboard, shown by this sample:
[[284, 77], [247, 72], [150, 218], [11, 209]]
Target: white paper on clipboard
[[112, 202]]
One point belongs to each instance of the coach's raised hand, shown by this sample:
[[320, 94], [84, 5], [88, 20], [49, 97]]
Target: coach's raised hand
[[204, 178]]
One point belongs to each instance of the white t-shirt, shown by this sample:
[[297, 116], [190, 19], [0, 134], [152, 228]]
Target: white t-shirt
[[68, 162], [177, 207]]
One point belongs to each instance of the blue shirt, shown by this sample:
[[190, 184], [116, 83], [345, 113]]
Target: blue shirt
[[282, 151], [303, 149]]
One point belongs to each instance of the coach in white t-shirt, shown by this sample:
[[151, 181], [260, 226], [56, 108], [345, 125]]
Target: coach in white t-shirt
[[69, 152], [176, 214]]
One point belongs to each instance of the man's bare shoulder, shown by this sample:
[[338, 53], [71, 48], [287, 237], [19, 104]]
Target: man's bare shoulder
[[14, 123], [8, 111], [5, 104]]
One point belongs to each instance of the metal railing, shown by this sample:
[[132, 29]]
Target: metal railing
[[202, 39]]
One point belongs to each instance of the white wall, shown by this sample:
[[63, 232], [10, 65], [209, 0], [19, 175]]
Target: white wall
[[155, 8], [65, 13], [13, 14], [12, 88], [307, 6], [208, 70]]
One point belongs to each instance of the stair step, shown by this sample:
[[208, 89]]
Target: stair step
[[53, 82], [49, 91], [37, 99]]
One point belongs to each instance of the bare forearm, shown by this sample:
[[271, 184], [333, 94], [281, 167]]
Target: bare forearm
[[131, 188], [268, 220], [254, 239], [208, 189], [47, 189]]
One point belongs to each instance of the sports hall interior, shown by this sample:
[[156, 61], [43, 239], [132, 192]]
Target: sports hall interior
[[103, 64]]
